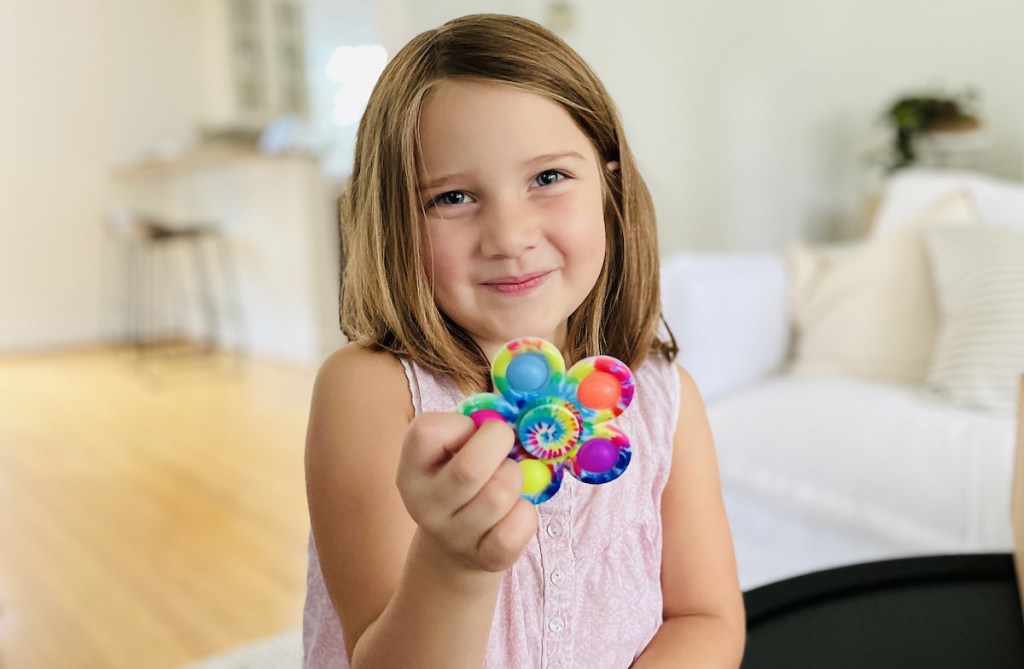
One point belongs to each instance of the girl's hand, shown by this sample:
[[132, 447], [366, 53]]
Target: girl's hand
[[461, 488]]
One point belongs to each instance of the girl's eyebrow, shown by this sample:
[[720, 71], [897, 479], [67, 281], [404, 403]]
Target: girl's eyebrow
[[550, 157], [537, 160], [434, 183]]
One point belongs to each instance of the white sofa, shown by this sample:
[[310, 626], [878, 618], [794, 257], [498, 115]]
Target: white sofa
[[828, 467]]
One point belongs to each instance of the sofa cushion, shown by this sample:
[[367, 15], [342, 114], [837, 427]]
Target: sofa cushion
[[877, 457], [869, 310], [979, 352]]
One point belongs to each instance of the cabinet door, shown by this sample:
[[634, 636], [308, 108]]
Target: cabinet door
[[289, 62], [249, 66], [255, 62]]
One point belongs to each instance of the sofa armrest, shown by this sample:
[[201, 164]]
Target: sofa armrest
[[730, 314]]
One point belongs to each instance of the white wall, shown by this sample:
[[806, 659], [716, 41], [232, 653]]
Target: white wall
[[752, 119], [87, 85], [749, 118]]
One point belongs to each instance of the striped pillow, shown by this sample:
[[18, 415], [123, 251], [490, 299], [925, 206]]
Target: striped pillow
[[979, 282]]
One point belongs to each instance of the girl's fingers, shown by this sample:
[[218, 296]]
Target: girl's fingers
[[474, 465], [431, 441], [446, 461], [458, 483], [504, 542], [494, 500]]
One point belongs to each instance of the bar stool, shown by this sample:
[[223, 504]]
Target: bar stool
[[158, 260]]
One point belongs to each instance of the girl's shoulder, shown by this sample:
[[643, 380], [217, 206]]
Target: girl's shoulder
[[358, 356], [357, 375]]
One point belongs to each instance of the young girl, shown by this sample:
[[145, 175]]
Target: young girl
[[493, 197]]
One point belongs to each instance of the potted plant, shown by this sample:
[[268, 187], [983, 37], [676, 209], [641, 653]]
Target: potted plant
[[913, 116]]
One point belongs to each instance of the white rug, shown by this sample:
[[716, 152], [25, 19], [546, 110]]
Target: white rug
[[282, 651]]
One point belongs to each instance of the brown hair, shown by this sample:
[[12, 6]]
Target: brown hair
[[386, 299]]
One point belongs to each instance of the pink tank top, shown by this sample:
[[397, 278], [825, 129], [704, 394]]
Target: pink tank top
[[587, 590]]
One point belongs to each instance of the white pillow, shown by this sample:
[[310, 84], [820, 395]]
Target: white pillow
[[730, 315], [979, 352], [868, 310]]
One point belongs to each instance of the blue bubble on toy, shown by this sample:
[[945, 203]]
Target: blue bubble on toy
[[528, 373]]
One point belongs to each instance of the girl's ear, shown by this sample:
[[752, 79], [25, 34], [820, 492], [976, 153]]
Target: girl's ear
[[612, 166]]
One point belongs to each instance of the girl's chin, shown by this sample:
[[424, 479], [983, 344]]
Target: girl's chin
[[496, 340]]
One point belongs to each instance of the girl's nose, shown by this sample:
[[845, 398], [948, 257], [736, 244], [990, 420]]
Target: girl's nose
[[508, 230]]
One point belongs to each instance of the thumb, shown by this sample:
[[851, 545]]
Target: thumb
[[433, 438]]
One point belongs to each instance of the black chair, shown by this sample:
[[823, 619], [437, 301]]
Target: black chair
[[169, 296]]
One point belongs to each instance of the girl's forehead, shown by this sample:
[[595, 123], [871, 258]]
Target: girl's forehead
[[463, 96], [473, 122]]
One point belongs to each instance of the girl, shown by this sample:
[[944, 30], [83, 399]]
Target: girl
[[493, 196]]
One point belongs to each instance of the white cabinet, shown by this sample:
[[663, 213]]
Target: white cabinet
[[253, 61]]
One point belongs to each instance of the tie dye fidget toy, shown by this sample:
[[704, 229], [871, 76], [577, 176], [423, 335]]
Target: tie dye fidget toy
[[561, 418]]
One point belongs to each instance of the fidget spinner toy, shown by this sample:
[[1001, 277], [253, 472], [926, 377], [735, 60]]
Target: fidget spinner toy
[[561, 418]]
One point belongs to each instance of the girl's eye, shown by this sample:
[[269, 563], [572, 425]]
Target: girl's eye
[[548, 177], [451, 198]]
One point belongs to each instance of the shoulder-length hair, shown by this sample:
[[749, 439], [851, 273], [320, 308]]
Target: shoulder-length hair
[[386, 297]]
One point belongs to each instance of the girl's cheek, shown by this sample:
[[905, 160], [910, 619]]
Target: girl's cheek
[[579, 216]]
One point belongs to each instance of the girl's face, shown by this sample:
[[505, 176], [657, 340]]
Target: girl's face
[[511, 191]]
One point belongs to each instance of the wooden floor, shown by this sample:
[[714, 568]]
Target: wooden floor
[[149, 515]]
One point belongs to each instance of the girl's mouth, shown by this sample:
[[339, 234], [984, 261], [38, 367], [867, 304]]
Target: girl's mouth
[[517, 285]]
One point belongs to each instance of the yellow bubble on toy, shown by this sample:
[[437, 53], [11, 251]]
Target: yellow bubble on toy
[[536, 476]]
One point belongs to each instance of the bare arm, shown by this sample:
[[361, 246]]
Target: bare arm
[[703, 606], [408, 592]]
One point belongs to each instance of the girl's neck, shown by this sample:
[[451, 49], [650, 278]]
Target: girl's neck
[[558, 338]]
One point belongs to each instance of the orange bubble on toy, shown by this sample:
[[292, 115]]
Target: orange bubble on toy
[[599, 390]]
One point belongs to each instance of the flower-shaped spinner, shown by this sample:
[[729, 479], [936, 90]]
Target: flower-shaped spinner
[[561, 418]]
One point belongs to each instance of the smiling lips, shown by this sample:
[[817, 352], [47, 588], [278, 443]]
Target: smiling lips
[[517, 285]]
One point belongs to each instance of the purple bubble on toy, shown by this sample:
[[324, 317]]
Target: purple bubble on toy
[[597, 455]]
